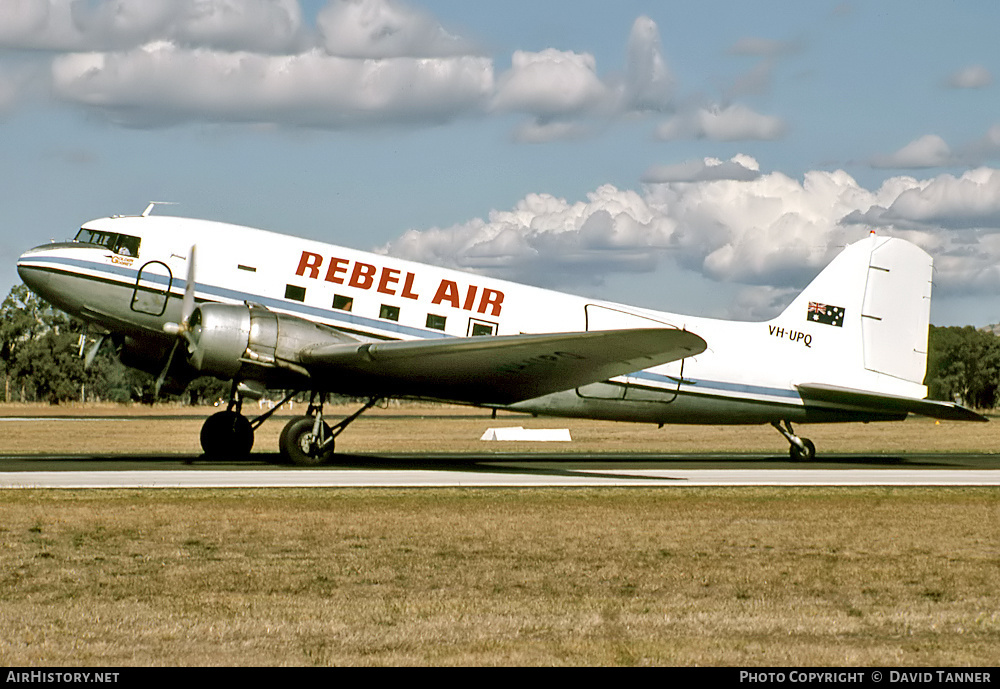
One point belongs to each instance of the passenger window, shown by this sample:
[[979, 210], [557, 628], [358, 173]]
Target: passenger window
[[343, 303], [389, 313], [295, 292], [435, 322], [478, 327]]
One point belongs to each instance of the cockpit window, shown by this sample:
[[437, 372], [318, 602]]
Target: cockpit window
[[123, 244]]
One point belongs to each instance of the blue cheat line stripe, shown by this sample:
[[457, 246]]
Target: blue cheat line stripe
[[336, 316]]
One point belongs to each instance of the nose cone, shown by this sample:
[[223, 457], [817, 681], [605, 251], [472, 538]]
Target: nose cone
[[33, 274]]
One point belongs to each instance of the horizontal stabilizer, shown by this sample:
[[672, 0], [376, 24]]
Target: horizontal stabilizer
[[498, 370], [873, 401]]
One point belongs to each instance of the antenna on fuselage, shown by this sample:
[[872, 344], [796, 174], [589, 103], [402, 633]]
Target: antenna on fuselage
[[153, 204]]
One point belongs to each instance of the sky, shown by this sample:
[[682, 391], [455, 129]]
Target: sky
[[703, 158]]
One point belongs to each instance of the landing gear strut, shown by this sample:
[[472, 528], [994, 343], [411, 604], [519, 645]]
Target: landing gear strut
[[309, 440], [228, 433], [305, 440], [800, 449]]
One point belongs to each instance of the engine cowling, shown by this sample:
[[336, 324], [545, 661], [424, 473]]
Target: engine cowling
[[228, 339], [149, 355]]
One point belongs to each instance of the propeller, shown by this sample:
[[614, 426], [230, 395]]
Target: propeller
[[92, 352], [181, 330]]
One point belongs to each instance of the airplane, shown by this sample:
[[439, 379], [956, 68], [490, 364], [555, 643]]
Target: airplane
[[276, 312]]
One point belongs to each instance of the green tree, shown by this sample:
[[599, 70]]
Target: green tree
[[963, 365], [38, 347], [40, 355]]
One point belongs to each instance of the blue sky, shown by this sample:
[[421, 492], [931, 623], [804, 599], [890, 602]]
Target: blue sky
[[704, 158]]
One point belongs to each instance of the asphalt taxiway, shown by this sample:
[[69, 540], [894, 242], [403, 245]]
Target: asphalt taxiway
[[501, 470]]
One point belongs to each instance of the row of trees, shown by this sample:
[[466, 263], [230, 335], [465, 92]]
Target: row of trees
[[40, 361]]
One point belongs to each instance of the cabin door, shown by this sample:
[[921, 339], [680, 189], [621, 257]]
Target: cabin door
[[152, 288], [638, 386]]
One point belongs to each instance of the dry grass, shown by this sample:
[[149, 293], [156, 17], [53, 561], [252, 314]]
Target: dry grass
[[436, 428], [685, 576], [501, 577]]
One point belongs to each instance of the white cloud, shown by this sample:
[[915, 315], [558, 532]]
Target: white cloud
[[770, 232], [972, 200], [374, 29], [67, 26], [740, 168], [550, 83], [986, 148], [927, 151], [973, 77], [760, 302], [732, 123], [38, 24], [549, 239], [365, 63], [648, 82], [161, 83]]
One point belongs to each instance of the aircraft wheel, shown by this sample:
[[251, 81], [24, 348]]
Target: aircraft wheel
[[298, 444], [227, 434], [806, 454]]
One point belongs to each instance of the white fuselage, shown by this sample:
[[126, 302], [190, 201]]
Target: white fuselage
[[747, 374]]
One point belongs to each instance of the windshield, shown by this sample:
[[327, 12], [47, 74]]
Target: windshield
[[123, 244]]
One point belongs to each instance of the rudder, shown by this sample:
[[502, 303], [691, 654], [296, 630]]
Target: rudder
[[895, 317], [876, 296]]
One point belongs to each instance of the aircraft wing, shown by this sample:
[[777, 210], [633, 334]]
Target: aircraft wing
[[497, 370], [861, 399]]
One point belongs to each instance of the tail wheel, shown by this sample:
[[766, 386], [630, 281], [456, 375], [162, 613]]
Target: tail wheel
[[299, 444], [806, 453], [227, 434]]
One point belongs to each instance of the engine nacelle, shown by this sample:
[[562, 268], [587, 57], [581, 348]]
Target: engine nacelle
[[149, 355], [221, 335], [227, 338], [143, 354]]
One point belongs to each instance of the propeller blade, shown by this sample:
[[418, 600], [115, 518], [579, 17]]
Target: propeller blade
[[163, 374], [187, 306], [180, 330], [92, 353]]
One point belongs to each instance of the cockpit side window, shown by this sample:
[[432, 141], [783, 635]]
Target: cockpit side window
[[127, 245], [124, 244]]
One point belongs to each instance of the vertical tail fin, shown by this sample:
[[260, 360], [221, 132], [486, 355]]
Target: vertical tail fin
[[868, 313]]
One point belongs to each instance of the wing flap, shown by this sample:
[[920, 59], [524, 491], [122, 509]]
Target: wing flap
[[864, 400], [499, 370]]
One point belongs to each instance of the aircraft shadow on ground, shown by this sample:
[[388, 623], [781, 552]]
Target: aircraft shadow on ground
[[573, 464], [617, 462], [592, 465]]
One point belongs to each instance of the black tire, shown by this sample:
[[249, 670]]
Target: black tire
[[806, 454], [227, 435], [296, 440]]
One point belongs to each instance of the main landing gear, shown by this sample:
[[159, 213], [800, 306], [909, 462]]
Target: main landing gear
[[800, 449], [305, 440], [308, 440]]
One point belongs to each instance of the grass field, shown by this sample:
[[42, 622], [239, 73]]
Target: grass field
[[436, 428], [680, 576]]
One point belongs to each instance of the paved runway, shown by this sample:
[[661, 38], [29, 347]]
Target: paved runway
[[506, 469]]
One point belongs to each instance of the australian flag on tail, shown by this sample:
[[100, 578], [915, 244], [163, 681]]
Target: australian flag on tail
[[824, 313]]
